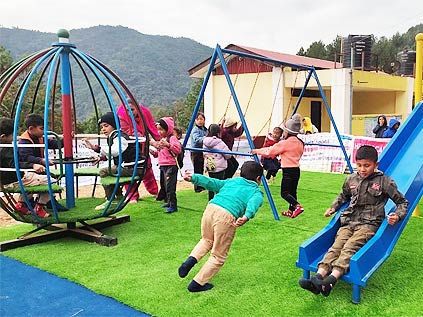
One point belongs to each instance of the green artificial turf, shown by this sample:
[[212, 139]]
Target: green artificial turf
[[259, 277]]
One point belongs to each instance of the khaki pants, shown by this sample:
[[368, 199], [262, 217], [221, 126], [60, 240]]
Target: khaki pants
[[217, 234], [33, 179], [347, 242]]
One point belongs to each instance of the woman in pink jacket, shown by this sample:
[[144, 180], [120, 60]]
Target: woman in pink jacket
[[290, 150], [126, 126]]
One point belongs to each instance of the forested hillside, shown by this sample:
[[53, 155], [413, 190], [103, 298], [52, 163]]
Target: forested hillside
[[154, 67]]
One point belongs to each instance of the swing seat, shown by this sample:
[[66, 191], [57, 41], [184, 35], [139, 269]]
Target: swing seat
[[34, 189]]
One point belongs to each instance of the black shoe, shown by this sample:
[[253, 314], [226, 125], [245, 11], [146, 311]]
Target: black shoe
[[308, 285], [187, 266], [195, 287], [327, 285], [59, 207]]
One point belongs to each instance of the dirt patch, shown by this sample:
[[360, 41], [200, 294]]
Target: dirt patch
[[86, 191]]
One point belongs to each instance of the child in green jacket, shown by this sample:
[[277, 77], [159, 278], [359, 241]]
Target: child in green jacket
[[237, 200]]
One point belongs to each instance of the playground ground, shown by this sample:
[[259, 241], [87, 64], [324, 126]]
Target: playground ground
[[259, 278]]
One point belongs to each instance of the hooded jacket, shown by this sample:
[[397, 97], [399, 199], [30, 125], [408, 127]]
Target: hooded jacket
[[220, 160], [127, 126], [165, 157], [389, 133]]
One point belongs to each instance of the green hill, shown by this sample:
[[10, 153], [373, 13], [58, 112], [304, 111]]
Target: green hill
[[154, 67]]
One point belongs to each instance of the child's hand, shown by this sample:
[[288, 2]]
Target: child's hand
[[187, 176], [393, 218], [164, 143], [329, 212], [87, 143], [254, 151], [96, 160], [39, 168], [240, 221]]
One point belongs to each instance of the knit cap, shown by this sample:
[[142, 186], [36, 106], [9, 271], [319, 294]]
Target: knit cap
[[293, 125], [229, 122], [108, 118]]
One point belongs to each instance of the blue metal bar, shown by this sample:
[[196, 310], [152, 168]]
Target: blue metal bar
[[200, 97], [333, 121], [218, 151], [244, 124], [16, 126], [90, 61]]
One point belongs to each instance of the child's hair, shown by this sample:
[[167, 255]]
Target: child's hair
[[200, 114], [366, 152], [279, 129], [163, 124], [214, 130], [33, 120], [178, 130], [251, 170], [6, 126]]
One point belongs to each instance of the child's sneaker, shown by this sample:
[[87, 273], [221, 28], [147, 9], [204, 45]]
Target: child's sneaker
[[287, 213], [22, 208], [171, 209], [298, 210], [103, 205], [40, 211]]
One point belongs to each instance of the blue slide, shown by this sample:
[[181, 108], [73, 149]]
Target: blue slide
[[402, 160]]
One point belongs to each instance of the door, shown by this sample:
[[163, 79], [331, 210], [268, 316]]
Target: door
[[316, 114]]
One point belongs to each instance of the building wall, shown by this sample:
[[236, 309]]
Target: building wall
[[270, 101], [256, 104], [369, 102]]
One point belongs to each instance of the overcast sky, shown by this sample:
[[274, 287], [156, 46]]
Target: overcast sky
[[277, 25]]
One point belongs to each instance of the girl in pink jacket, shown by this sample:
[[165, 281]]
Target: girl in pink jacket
[[290, 150], [167, 150]]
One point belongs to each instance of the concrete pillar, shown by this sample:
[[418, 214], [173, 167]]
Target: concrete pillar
[[341, 99], [209, 102], [278, 80]]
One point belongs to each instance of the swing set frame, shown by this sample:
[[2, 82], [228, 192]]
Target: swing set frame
[[311, 73]]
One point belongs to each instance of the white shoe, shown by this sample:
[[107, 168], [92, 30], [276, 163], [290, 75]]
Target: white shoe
[[103, 205]]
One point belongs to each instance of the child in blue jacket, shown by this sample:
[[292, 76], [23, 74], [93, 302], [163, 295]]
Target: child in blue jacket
[[237, 200]]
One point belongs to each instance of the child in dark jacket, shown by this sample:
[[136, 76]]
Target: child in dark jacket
[[272, 164], [107, 125], [237, 200], [168, 149], [230, 131], [392, 129], [368, 190], [28, 178], [34, 134], [199, 131]]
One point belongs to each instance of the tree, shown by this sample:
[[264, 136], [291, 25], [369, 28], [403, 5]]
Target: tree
[[6, 59], [317, 50]]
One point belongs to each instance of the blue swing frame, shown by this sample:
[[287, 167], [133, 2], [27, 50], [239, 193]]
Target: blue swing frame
[[218, 54]]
